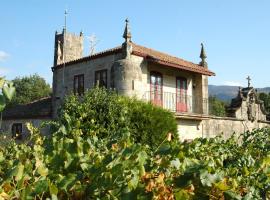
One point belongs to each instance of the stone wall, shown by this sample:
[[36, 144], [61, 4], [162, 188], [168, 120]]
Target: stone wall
[[7, 125], [210, 126]]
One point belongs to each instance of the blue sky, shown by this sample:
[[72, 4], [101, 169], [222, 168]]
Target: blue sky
[[236, 34]]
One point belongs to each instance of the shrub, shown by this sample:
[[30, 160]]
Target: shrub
[[103, 113], [5, 139], [150, 124]]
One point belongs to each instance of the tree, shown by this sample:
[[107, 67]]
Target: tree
[[216, 107], [30, 88], [266, 100]]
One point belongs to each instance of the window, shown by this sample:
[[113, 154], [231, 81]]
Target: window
[[17, 130], [156, 83], [79, 84], [101, 78], [181, 94]]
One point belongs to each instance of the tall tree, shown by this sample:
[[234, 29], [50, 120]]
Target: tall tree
[[30, 88], [216, 107]]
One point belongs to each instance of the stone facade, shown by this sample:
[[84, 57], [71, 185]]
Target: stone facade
[[131, 77], [87, 68], [245, 113], [133, 70], [130, 74], [7, 125], [211, 126]]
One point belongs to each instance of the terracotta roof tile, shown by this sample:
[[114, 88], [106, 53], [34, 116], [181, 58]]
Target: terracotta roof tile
[[166, 59], [91, 57], [152, 56]]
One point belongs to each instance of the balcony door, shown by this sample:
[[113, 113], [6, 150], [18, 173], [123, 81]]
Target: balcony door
[[181, 94], [156, 88]]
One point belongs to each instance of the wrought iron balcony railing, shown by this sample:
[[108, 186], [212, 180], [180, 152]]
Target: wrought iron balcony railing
[[177, 103]]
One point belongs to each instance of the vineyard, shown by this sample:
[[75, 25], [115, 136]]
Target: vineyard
[[74, 164]]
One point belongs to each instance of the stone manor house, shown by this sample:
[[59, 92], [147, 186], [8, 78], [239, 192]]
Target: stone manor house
[[134, 70]]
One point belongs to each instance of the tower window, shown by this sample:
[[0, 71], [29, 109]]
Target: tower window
[[79, 84], [16, 130], [101, 78]]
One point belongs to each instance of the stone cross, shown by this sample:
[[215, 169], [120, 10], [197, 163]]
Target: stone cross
[[249, 79], [65, 26]]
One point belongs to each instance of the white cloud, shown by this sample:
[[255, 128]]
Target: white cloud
[[233, 83], [3, 56]]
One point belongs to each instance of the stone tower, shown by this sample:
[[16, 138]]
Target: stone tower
[[67, 47]]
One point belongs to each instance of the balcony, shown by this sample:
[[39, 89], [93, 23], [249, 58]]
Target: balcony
[[180, 104]]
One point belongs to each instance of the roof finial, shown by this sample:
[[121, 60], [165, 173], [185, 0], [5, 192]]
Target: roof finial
[[249, 79], [127, 33], [65, 25], [203, 56]]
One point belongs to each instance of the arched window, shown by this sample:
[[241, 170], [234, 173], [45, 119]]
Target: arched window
[[156, 83]]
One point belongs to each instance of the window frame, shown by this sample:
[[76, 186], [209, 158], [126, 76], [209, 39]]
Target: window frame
[[181, 93], [157, 101], [79, 78], [14, 127], [101, 72]]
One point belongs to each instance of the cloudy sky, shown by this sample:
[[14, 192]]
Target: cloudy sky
[[236, 34]]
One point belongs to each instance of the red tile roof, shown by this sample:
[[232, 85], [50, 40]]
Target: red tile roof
[[152, 56], [168, 60]]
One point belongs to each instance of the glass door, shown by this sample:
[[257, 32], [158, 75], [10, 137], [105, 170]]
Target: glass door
[[156, 88], [181, 94]]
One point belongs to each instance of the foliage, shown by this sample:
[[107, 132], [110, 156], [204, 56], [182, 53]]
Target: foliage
[[69, 166], [150, 124], [105, 113], [7, 92], [5, 139], [30, 88], [75, 163], [266, 100], [216, 107]]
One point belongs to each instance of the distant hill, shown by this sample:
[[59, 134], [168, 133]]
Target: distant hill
[[226, 93]]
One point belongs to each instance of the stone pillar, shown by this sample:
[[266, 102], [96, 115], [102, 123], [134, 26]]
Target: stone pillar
[[205, 105]]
